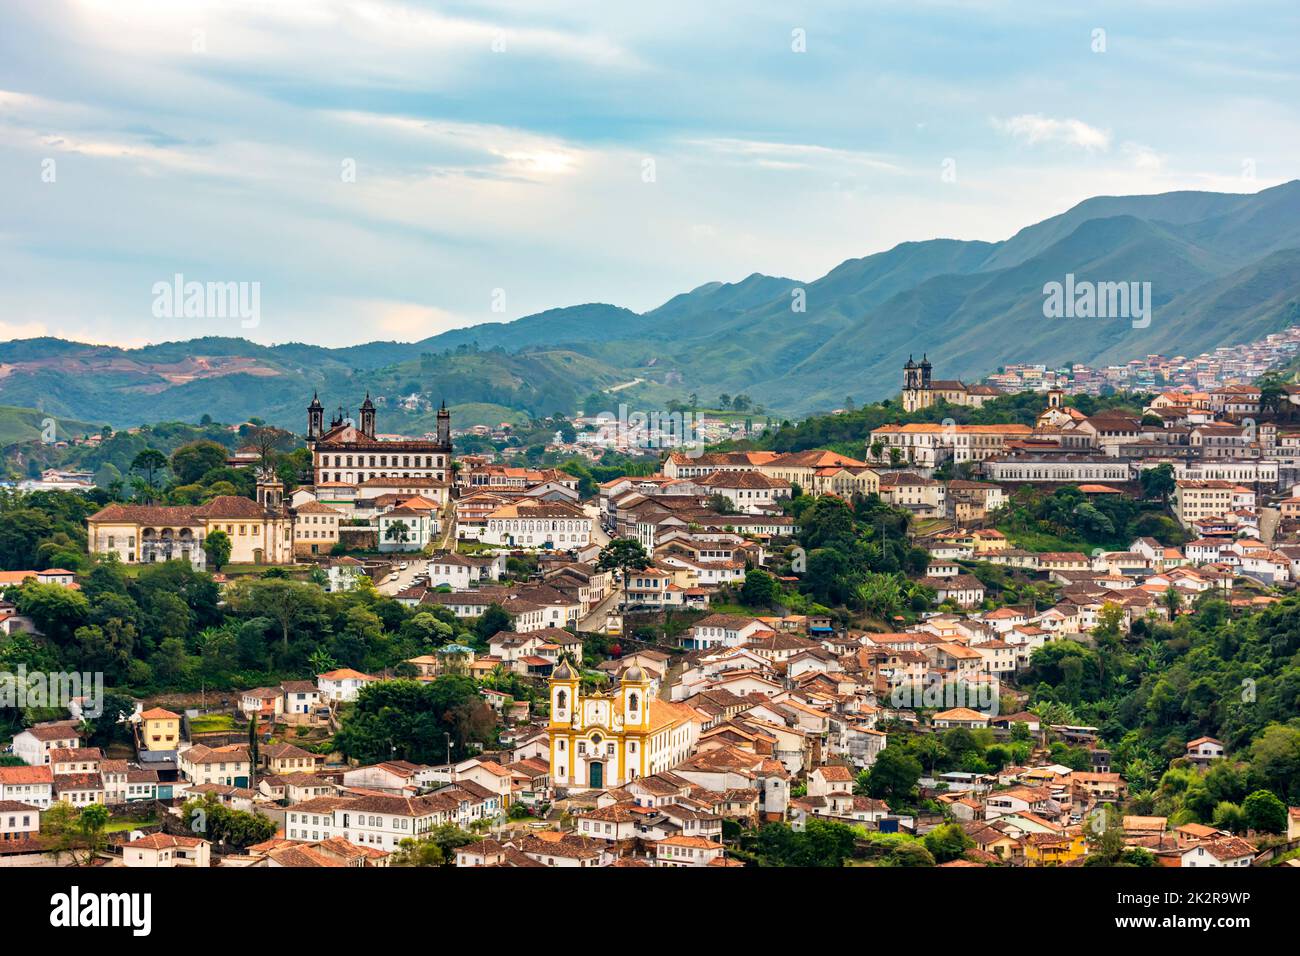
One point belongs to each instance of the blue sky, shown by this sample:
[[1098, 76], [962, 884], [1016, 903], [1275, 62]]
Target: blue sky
[[502, 149]]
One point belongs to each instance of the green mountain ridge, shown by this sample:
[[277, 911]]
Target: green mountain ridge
[[1224, 269]]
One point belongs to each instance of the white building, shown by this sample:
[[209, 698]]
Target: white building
[[342, 685]]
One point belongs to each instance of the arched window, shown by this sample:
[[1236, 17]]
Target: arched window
[[632, 701], [561, 699]]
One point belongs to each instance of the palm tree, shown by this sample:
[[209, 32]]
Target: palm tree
[[321, 662]]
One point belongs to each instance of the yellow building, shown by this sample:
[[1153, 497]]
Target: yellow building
[[260, 532], [142, 534], [162, 729], [602, 740], [1053, 849]]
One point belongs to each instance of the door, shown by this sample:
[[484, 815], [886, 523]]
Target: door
[[596, 774]]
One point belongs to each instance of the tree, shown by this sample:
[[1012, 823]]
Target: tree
[[948, 842], [189, 463], [760, 589], [253, 754], [893, 777], [90, 824], [911, 853], [1275, 761], [492, 621], [56, 611], [1265, 812], [209, 818], [413, 852], [79, 833], [217, 546], [436, 849], [151, 462], [398, 531], [288, 603], [623, 555], [1157, 482], [410, 720]]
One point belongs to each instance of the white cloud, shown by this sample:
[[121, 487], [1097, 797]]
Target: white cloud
[[1034, 128], [1143, 157], [792, 155]]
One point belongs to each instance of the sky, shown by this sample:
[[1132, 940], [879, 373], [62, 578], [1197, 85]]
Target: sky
[[377, 169]]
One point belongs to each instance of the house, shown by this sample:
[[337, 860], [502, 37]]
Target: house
[[1055, 849], [461, 571], [394, 775], [343, 574], [409, 527], [18, 821], [487, 774], [164, 849], [76, 760], [688, 851], [266, 703], [830, 779], [1204, 749], [1105, 787], [29, 785], [285, 758], [727, 630], [960, 717], [617, 822], [1221, 851], [160, 729], [964, 590], [228, 765], [79, 789], [567, 851], [300, 698], [342, 685], [34, 744]]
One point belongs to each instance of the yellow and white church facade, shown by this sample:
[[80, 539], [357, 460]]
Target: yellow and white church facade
[[606, 739]]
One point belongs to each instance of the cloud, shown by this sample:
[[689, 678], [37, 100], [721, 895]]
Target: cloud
[[792, 155], [1143, 157], [1034, 128]]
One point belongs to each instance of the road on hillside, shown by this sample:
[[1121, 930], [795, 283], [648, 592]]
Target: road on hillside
[[417, 561], [1268, 522], [595, 619]]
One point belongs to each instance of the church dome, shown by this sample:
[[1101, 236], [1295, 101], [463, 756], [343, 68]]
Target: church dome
[[563, 672], [634, 674]]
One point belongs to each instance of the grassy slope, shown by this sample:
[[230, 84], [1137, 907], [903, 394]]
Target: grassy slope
[[26, 424]]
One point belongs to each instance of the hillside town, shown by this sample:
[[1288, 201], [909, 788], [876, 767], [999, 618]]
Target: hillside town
[[707, 665]]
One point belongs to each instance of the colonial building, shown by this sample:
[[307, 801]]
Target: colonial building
[[604, 740], [920, 391], [260, 532], [352, 454]]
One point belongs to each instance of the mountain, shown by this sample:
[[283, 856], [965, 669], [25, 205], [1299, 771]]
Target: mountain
[[1223, 268]]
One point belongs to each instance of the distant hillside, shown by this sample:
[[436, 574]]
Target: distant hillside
[[1224, 269], [29, 424]]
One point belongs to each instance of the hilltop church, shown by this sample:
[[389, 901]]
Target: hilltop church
[[920, 391], [350, 460], [602, 740]]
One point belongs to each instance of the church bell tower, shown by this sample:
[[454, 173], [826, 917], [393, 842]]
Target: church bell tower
[[367, 425], [315, 418], [444, 426]]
